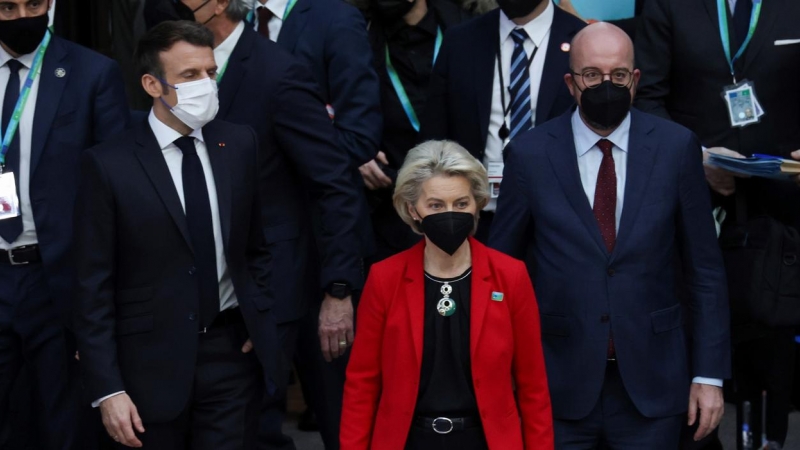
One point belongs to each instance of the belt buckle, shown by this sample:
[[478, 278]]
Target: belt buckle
[[447, 421], [11, 256]]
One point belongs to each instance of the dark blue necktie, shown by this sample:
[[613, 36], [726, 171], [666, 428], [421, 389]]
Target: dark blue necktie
[[741, 22], [11, 228], [201, 230], [520, 85]]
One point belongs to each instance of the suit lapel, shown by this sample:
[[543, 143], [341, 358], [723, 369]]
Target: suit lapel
[[485, 51], [235, 71], [51, 88], [641, 158], [152, 160], [481, 293], [293, 26], [563, 157], [413, 295], [219, 157], [555, 61], [770, 10]]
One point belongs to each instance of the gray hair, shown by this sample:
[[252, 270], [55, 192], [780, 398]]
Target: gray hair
[[433, 158], [237, 10]]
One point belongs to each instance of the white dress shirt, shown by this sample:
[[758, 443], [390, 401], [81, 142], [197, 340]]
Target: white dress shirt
[[222, 53], [174, 158], [24, 134], [589, 158], [278, 8], [538, 31]]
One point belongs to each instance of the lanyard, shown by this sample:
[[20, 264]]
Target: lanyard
[[13, 124], [723, 29], [398, 85], [221, 72]]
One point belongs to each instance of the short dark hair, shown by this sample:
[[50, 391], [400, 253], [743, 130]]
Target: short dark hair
[[162, 37]]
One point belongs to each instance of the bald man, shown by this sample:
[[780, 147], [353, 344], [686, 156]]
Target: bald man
[[606, 204]]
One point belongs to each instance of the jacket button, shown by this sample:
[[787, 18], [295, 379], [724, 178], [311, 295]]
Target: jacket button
[[604, 318], [611, 272], [192, 316], [192, 270]]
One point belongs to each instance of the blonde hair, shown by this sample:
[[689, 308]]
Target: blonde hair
[[432, 158]]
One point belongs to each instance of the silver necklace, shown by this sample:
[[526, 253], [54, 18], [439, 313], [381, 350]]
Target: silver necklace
[[447, 306]]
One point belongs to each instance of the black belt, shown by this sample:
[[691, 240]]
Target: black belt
[[230, 316], [20, 256], [446, 425]]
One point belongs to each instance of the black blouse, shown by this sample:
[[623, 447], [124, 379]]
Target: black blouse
[[445, 387]]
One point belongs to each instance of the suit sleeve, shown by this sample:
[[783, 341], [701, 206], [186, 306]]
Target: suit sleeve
[[94, 311], [654, 58], [354, 88], [306, 136], [512, 219], [433, 125], [259, 259], [533, 395], [362, 390], [704, 271], [111, 113]]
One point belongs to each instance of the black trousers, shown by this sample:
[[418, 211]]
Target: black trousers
[[270, 433], [617, 423], [222, 411], [426, 439], [32, 332]]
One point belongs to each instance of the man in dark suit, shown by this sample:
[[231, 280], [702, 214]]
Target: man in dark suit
[[599, 202], [685, 70], [74, 101], [172, 265], [497, 76], [264, 86]]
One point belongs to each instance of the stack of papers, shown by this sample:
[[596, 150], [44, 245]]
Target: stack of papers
[[766, 166]]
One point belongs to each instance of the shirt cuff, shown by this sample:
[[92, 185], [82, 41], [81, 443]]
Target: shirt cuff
[[709, 381], [96, 403]]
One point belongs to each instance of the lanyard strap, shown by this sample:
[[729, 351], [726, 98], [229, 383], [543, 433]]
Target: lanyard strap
[[723, 29], [13, 124], [398, 85], [221, 72]]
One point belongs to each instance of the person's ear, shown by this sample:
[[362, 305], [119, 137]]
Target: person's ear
[[152, 85]]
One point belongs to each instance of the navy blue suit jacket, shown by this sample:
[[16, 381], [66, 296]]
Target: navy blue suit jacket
[[267, 88], [544, 217], [81, 102], [460, 92]]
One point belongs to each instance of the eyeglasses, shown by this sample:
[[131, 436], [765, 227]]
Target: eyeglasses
[[593, 77]]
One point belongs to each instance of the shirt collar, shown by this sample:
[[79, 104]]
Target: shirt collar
[[537, 28], [224, 50], [278, 7], [26, 59], [586, 139], [166, 135]]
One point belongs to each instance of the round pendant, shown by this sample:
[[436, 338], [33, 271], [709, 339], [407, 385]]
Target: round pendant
[[446, 307], [446, 289]]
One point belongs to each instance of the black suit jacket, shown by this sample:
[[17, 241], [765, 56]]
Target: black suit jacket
[[137, 302], [460, 100], [267, 88]]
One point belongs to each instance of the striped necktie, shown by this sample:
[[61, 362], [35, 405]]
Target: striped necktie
[[520, 86]]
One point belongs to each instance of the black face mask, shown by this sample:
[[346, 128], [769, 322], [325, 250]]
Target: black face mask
[[23, 35], [448, 230], [391, 11], [518, 8], [606, 106]]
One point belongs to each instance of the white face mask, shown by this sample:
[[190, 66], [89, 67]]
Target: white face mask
[[197, 102]]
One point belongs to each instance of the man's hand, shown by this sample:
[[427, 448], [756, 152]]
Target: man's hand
[[705, 400], [335, 326], [796, 155], [120, 418], [721, 180], [373, 176]]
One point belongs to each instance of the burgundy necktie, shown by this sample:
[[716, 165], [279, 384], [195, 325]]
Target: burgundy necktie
[[605, 196], [264, 16]]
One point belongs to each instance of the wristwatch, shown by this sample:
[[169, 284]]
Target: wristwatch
[[339, 290]]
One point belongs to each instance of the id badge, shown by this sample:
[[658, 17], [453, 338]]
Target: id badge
[[495, 172], [742, 103], [9, 202]]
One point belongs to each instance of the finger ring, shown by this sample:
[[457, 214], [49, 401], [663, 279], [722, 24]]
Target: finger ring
[[342, 343]]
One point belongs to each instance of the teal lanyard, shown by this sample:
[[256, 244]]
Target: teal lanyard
[[251, 16], [723, 29], [398, 85], [221, 72], [13, 124]]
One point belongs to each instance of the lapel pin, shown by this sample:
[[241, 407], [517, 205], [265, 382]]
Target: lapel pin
[[497, 296], [565, 47], [60, 72], [221, 144]]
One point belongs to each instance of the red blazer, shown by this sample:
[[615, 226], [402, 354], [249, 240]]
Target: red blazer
[[505, 346]]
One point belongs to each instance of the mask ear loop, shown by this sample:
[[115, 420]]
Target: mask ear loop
[[164, 82]]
